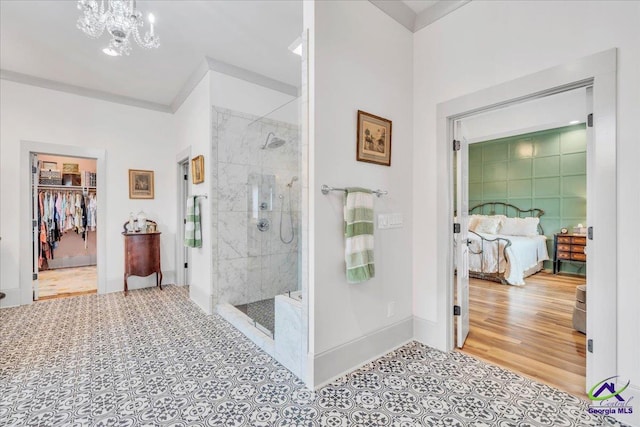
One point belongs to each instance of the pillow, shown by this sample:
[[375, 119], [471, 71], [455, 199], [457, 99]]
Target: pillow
[[520, 226], [473, 221], [488, 225]]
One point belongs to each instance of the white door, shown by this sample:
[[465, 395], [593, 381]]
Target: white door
[[462, 249], [34, 224]]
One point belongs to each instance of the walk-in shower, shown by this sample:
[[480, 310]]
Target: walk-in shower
[[257, 215]]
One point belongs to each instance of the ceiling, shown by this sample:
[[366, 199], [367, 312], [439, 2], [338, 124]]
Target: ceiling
[[419, 5], [40, 39]]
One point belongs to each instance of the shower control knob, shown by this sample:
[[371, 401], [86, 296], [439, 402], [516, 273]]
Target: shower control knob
[[263, 224]]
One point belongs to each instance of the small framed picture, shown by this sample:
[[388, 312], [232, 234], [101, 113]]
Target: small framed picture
[[197, 169], [374, 139], [140, 184]]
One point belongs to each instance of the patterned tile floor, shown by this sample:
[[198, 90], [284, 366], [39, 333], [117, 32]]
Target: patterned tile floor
[[153, 358]]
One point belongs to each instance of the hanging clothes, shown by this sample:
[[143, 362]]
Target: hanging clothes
[[93, 208]]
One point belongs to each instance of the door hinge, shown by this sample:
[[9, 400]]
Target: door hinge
[[186, 265], [184, 220], [34, 169], [186, 176], [35, 276], [456, 227], [34, 223], [456, 310], [590, 233], [590, 120], [590, 345], [456, 145]]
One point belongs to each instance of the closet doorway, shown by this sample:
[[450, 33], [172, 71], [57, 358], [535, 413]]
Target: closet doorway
[[64, 217]]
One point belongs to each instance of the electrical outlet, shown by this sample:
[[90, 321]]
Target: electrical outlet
[[391, 309]]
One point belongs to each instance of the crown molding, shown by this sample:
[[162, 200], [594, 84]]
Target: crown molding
[[436, 12], [198, 74], [81, 91], [208, 64], [412, 21], [397, 10], [251, 77], [212, 64]]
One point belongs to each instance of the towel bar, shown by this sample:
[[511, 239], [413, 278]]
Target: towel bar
[[326, 189]]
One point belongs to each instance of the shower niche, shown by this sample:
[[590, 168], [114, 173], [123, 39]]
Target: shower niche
[[260, 199]]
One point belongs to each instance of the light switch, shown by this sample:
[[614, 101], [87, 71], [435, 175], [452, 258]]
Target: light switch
[[393, 220]]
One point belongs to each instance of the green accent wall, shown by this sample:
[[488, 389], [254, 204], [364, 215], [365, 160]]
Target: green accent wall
[[546, 170]]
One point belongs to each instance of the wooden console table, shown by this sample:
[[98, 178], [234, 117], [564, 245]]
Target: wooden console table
[[142, 256]]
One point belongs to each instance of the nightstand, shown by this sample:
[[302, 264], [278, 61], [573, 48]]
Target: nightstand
[[568, 247]]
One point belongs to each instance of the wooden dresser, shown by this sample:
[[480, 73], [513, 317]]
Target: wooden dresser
[[568, 247], [141, 256]]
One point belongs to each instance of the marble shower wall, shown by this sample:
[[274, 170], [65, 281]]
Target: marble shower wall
[[250, 265]]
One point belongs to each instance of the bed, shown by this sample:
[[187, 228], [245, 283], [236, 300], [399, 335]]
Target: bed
[[506, 243]]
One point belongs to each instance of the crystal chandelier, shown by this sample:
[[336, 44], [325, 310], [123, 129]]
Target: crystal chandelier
[[121, 19]]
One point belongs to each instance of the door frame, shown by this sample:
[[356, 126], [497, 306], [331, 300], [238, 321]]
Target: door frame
[[26, 245], [181, 256], [599, 71]]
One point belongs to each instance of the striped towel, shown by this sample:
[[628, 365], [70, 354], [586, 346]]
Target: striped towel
[[192, 230], [358, 233]]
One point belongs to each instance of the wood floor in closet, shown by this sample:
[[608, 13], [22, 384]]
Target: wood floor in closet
[[528, 329]]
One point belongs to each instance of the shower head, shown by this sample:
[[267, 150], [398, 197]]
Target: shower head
[[290, 184], [275, 141]]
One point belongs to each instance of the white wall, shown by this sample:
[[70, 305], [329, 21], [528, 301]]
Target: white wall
[[460, 54], [132, 137], [363, 60], [193, 133], [240, 95]]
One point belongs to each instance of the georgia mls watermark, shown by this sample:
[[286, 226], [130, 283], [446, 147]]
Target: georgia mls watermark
[[606, 400]]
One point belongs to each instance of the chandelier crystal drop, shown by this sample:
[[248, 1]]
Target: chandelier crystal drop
[[121, 20]]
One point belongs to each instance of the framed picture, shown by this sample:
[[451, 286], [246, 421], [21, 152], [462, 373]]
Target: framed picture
[[374, 139], [140, 184], [197, 169]]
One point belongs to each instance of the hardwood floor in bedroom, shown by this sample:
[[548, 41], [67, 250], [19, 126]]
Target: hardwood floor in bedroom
[[528, 329]]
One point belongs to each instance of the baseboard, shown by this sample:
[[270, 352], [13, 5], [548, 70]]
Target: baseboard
[[201, 299], [343, 359], [429, 333], [12, 298]]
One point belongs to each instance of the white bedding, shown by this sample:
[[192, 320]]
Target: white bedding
[[525, 253]]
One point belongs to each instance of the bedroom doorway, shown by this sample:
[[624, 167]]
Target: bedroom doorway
[[521, 188], [595, 76]]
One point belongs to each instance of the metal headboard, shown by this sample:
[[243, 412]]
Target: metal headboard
[[489, 208]]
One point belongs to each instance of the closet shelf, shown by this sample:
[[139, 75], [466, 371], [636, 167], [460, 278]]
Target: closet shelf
[[66, 187]]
